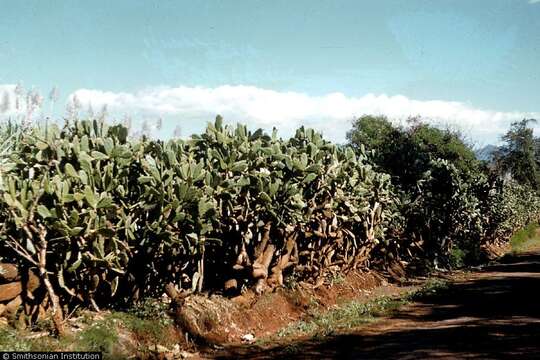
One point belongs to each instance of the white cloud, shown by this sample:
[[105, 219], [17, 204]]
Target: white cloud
[[331, 113], [534, 1]]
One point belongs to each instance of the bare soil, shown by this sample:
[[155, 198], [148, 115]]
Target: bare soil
[[487, 313], [218, 320]]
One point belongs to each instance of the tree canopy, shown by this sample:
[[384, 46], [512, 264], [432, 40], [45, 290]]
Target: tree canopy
[[405, 152], [519, 156]]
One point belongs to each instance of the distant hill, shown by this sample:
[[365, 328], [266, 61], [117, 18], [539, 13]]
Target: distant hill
[[486, 153]]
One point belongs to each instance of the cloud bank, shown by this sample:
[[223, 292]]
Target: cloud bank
[[192, 107]]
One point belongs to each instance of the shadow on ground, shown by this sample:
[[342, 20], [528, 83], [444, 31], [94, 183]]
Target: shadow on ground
[[495, 314]]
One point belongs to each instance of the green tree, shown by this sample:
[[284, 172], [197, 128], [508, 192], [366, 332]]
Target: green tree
[[434, 171], [518, 156], [406, 153], [374, 133]]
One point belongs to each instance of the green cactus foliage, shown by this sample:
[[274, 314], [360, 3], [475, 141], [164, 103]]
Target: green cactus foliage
[[227, 209]]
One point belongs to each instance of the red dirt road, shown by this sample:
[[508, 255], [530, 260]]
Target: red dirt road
[[493, 313]]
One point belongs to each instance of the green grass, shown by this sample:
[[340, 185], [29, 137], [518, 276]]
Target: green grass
[[354, 313], [432, 287], [147, 324], [525, 238], [345, 317], [10, 340], [457, 257], [101, 336], [22, 340]]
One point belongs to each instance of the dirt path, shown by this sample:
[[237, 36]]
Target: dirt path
[[491, 313]]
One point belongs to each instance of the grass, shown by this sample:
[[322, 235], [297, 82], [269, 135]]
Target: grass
[[525, 238], [345, 317], [354, 313], [432, 287], [145, 325], [10, 340], [457, 257], [101, 336]]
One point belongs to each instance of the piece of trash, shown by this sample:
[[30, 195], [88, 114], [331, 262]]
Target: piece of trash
[[161, 349], [248, 337], [186, 355]]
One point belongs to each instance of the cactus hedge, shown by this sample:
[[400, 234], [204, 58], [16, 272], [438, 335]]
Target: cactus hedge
[[228, 209], [106, 219]]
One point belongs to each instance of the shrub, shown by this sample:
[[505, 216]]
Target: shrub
[[110, 220]]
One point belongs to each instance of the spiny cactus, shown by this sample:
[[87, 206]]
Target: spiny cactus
[[112, 219]]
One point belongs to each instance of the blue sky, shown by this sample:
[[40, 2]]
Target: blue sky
[[474, 64]]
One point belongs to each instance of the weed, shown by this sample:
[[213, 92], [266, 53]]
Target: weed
[[101, 336], [295, 297], [150, 309], [354, 313], [336, 278], [291, 349], [291, 281], [457, 257], [347, 316], [299, 327], [432, 287], [525, 238], [149, 321], [43, 325], [10, 340]]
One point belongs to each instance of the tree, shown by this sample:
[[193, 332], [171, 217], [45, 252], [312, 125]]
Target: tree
[[518, 157], [444, 144], [406, 153], [373, 132], [384, 142], [434, 171]]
